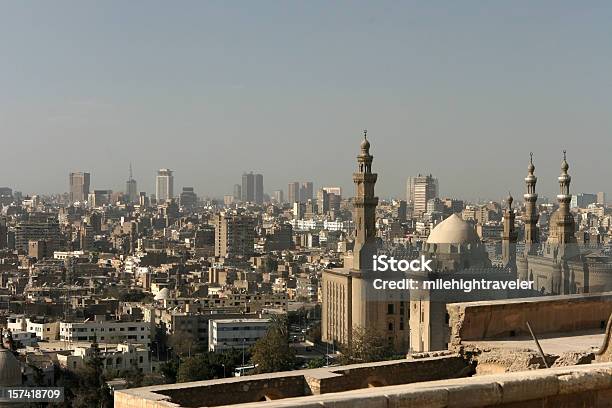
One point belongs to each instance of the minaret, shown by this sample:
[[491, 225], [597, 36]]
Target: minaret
[[530, 218], [509, 238], [565, 220], [364, 204]]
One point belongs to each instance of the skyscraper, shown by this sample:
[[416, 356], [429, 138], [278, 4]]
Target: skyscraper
[[164, 185], [419, 190], [293, 192], [278, 196], [248, 187], [259, 189], [237, 192], [79, 186], [131, 189], [306, 191]]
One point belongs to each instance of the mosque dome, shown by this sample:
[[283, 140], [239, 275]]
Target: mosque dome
[[453, 230], [10, 370]]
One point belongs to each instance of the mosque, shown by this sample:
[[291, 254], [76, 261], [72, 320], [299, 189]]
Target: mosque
[[559, 266], [417, 320]]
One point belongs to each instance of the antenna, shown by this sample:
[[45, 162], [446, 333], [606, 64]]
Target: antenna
[[131, 171]]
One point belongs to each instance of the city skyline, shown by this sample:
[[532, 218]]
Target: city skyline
[[470, 195], [464, 92]]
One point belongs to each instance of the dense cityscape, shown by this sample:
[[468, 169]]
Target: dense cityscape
[[103, 290], [193, 216]]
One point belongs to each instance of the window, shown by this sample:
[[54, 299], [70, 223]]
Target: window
[[390, 309]]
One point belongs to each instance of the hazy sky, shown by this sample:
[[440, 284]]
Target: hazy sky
[[461, 89]]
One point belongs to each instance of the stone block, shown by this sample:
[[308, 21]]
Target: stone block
[[431, 398], [528, 386]]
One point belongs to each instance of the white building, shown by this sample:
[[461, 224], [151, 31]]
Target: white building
[[106, 331], [164, 185], [43, 329], [121, 357], [226, 334]]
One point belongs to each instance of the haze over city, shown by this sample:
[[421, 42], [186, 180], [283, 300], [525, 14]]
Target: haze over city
[[208, 89]]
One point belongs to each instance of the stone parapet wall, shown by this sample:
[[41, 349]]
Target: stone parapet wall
[[488, 320], [577, 386], [291, 384]]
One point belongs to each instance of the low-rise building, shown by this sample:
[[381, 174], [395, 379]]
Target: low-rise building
[[227, 334]]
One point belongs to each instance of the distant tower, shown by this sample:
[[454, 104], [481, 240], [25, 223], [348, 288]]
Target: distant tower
[[259, 189], [131, 189], [79, 186], [509, 238], [530, 218], [248, 187], [164, 186], [364, 208]]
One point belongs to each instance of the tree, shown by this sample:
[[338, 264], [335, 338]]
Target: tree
[[92, 389], [316, 363], [209, 365], [272, 352], [368, 345], [184, 343]]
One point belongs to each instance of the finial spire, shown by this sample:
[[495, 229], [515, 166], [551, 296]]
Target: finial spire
[[365, 133], [531, 157], [564, 154]]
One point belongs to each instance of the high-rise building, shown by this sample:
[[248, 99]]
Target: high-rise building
[[131, 189], [164, 185], [79, 186], [293, 192], [601, 198], [188, 197], [333, 190], [237, 192], [259, 189], [3, 233], [278, 196], [248, 187], [419, 190], [6, 195], [99, 198], [583, 200], [47, 230], [306, 191], [322, 201], [234, 234]]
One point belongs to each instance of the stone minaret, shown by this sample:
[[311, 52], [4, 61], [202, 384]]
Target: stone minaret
[[509, 238], [565, 220], [530, 218], [364, 204]]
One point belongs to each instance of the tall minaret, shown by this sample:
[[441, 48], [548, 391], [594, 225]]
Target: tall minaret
[[565, 221], [364, 205], [530, 218], [509, 238]]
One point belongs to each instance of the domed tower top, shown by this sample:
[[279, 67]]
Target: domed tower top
[[531, 167], [365, 145], [564, 165], [564, 181], [364, 159]]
